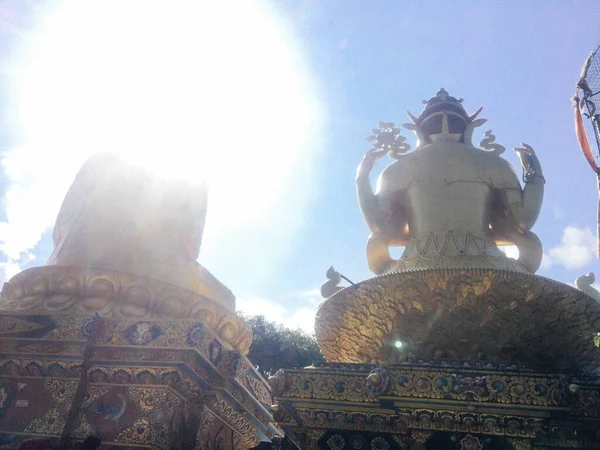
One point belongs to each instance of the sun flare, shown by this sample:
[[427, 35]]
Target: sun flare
[[197, 90]]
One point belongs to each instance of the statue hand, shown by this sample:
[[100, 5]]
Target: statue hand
[[530, 162], [369, 160]]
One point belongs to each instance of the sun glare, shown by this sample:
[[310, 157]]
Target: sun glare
[[191, 89]]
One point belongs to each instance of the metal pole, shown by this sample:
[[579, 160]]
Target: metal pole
[[596, 124]]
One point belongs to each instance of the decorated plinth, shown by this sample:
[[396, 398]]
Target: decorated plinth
[[449, 358], [453, 345], [138, 362], [123, 335], [488, 314], [437, 403]]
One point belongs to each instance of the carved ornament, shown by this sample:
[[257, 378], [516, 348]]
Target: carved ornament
[[498, 315], [83, 290]]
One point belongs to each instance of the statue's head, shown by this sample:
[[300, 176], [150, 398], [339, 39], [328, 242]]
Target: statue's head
[[444, 118]]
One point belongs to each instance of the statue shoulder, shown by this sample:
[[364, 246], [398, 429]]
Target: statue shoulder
[[397, 176], [500, 173]]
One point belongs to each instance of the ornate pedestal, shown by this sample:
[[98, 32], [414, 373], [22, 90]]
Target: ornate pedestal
[[457, 393], [418, 353], [138, 362], [123, 335], [437, 404], [461, 313]]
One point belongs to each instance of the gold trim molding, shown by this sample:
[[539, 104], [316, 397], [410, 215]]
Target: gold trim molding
[[60, 290]]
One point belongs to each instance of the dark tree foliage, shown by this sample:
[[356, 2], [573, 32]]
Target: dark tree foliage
[[276, 347]]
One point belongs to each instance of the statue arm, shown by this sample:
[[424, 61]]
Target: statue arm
[[383, 213], [369, 203], [523, 205], [373, 212], [383, 210]]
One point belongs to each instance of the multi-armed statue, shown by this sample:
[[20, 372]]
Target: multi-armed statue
[[449, 203], [453, 292], [453, 345]]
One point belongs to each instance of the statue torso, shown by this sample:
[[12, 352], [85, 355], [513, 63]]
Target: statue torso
[[445, 190]]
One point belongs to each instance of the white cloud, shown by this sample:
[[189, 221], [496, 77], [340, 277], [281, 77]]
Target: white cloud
[[7, 271], [577, 248], [33, 198], [301, 317]]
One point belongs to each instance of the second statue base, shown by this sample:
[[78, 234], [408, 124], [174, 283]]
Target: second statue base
[[461, 313]]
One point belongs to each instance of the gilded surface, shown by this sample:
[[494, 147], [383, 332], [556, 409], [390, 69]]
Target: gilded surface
[[202, 437], [178, 364], [324, 417], [459, 397], [53, 420], [414, 383], [461, 313], [116, 215], [123, 333], [41, 368], [60, 290], [327, 386], [448, 202], [142, 432], [234, 365], [51, 348], [237, 421], [157, 408]]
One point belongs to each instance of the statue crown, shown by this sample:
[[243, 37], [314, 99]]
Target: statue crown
[[443, 102]]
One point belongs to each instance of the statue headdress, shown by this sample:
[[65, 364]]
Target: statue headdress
[[444, 114]]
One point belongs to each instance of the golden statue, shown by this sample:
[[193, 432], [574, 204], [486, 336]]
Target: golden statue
[[123, 314], [453, 293], [449, 203], [119, 216], [125, 246]]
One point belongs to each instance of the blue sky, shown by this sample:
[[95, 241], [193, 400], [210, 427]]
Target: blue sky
[[309, 81]]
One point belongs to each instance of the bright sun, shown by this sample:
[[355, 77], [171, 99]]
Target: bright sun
[[196, 89]]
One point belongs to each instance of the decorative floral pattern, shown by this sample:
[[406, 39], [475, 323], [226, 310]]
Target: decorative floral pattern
[[379, 443], [60, 290], [142, 333], [194, 335], [470, 443], [378, 382], [336, 442]]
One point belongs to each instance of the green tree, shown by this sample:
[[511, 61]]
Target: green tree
[[276, 347]]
